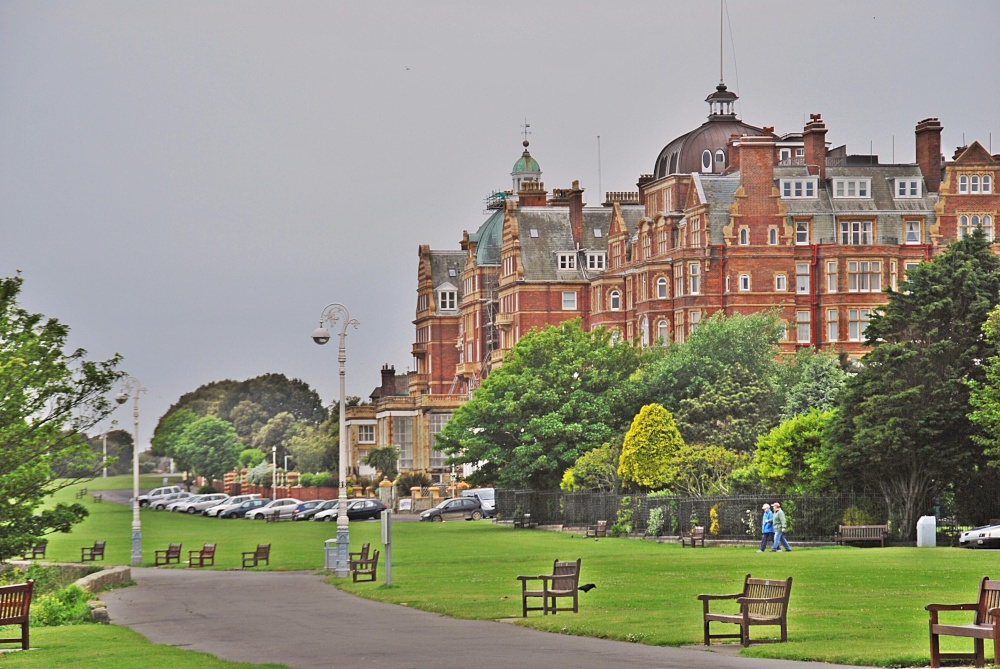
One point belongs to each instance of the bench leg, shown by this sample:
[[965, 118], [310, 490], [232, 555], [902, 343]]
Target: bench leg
[[935, 651], [980, 653], [708, 641], [25, 635]]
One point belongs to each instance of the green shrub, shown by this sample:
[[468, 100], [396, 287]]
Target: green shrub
[[206, 489], [411, 480], [307, 480], [67, 606], [655, 524], [623, 523], [855, 516]]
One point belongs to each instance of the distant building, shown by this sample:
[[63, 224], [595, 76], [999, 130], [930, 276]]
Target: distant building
[[734, 218]]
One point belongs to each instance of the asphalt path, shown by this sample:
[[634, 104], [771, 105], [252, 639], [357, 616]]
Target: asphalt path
[[294, 618]]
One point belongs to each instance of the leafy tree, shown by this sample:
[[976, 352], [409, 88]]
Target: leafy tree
[[794, 457], [316, 448], [985, 395], [247, 418], [274, 394], [251, 457], [557, 395], [209, 447], [568, 482], [383, 459], [819, 378], [48, 398], [169, 430], [648, 458], [119, 451], [597, 469], [277, 432], [704, 470], [903, 426]]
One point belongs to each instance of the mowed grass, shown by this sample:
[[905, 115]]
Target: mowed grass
[[849, 605]]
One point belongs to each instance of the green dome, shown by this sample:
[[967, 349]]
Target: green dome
[[526, 163]]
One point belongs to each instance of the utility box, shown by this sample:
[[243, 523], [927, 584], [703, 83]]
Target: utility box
[[927, 532], [330, 558]]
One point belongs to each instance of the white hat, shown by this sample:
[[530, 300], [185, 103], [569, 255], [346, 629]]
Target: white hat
[[765, 507]]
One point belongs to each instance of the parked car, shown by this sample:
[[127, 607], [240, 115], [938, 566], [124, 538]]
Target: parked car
[[246, 507], [987, 536], [163, 501], [306, 510], [282, 507], [172, 506], [325, 509], [156, 493], [486, 497], [230, 504], [455, 508], [358, 509], [199, 503]]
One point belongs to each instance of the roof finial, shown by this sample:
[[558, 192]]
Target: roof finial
[[525, 132]]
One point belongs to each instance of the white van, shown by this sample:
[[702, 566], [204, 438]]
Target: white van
[[486, 497]]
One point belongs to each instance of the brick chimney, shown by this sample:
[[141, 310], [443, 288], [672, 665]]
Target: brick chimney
[[388, 381], [532, 194], [814, 137], [929, 152], [575, 201], [641, 185], [756, 158]]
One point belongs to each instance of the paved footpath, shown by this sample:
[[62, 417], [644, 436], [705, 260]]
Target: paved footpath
[[294, 618]]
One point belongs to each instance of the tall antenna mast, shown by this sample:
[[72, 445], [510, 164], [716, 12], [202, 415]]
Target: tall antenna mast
[[600, 192], [721, 11]]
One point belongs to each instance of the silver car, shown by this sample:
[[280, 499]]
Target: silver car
[[199, 503], [222, 510]]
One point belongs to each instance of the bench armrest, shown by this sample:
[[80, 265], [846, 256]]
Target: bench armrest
[[247, 554], [993, 612], [952, 607], [706, 598]]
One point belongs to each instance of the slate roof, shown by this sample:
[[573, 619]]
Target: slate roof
[[441, 263]]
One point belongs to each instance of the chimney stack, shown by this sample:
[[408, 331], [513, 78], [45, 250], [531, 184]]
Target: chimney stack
[[814, 138], [929, 152], [576, 212], [388, 381]]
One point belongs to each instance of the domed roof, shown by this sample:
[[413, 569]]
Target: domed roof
[[684, 154], [526, 163]]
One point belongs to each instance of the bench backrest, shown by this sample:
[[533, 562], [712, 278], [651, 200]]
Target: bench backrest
[[174, 550], [760, 588], [863, 531], [98, 548], [989, 598], [567, 575], [14, 602], [207, 551], [698, 532], [602, 525], [263, 551], [364, 551]]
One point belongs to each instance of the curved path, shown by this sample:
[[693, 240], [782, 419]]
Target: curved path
[[294, 618]]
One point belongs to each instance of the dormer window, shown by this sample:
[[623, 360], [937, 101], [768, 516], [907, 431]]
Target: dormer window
[[447, 300], [451, 271], [720, 161], [907, 188], [534, 233], [596, 260], [567, 261], [798, 188], [598, 232], [706, 161], [848, 188]]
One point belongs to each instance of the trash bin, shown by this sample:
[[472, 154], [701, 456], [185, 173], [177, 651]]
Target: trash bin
[[330, 561], [927, 532]]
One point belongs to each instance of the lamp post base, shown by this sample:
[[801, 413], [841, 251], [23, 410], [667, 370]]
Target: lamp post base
[[136, 547], [341, 569]]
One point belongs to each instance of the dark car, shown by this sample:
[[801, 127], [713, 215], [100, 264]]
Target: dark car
[[307, 510], [456, 508], [357, 509], [243, 509]]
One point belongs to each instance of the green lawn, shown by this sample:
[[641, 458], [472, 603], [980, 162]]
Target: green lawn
[[849, 605]]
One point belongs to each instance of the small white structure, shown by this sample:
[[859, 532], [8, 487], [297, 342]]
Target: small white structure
[[927, 532]]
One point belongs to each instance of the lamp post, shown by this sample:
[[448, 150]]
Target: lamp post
[[274, 472], [132, 386], [331, 314], [105, 440]]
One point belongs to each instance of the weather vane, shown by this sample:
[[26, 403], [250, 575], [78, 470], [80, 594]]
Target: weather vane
[[525, 130]]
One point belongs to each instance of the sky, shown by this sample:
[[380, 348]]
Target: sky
[[189, 183]]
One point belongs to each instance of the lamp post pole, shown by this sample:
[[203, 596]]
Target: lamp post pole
[[274, 472], [132, 386], [332, 313]]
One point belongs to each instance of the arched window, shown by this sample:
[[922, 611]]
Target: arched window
[[615, 300], [744, 282], [661, 288], [744, 236], [706, 161], [772, 237], [662, 333], [963, 184], [974, 184], [720, 161], [987, 183], [644, 330]]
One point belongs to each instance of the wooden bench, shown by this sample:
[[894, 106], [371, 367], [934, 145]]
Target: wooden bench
[[15, 602], [262, 554], [273, 517], [598, 530], [37, 551], [98, 496], [762, 602], [362, 554], [696, 534], [986, 625], [91, 553], [81, 493], [204, 556], [523, 520], [561, 583], [172, 554], [364, 569], [862, 533]]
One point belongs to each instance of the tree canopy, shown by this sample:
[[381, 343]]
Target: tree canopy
[[648, 458], [209, 447]]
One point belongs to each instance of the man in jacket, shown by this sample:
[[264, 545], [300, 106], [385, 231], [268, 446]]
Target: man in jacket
[[780, 526]]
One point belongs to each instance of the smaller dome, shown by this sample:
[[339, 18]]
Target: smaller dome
[[526, 163]]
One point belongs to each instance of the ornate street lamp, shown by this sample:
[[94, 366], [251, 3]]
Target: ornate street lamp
[[332, 313], [132, 386]]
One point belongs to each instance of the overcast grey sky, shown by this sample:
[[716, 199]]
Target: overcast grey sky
[[188, 183]]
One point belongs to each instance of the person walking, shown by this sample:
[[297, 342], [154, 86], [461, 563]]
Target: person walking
[[780, 527], [767, 527]]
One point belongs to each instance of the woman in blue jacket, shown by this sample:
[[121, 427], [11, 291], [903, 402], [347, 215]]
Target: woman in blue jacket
[[767, 528]]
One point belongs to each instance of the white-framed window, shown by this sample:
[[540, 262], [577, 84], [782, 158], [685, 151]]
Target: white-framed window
[[366, 434], [436, 423], [694, 232], [893, 272], [800, 152], [596, 260], [679, 327], [402, 433], [569, 300], [744, 282], [803, 326], [974, 183], [780, 283], [615, 300], [678, 280], [831, 276], [911, 232], [448, 300], [798, 188], [694, 320], [694, 278], [567, 261], [848, 188], [907, 188], [856, 233], [832, 325], [720, 161], [969, 222], [864, 276], [662, 332], [963, 183], [907, 266], [987, 183], [598, 232], [706, 160], [744, 237], [801, 232], [802, 278], [772, 236], [661, 288], [784, 154], [644, 331], [857, 323]]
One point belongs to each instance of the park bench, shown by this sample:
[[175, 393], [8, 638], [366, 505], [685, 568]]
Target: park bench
[[362, 554], [98, 496], [762, 602], [91, 553], [862, 534], [600, 529], [204, 556], [37, 551], [986, 625], [562, 582], [523, 520], [273, 517], [364, 569], [15, 601], [81, 493], [171, 554], [263, 553], [692, 537]]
